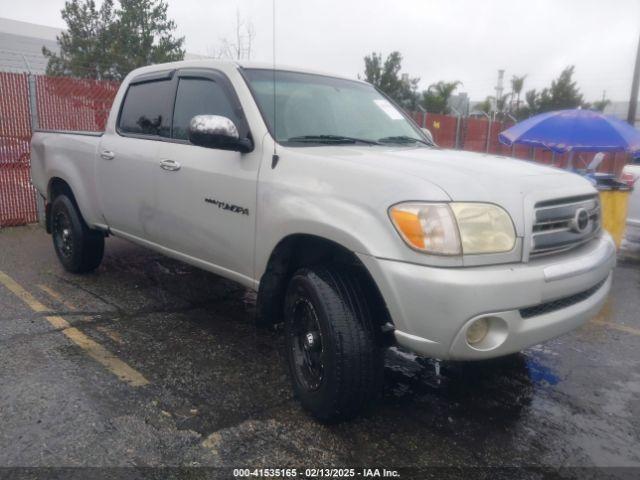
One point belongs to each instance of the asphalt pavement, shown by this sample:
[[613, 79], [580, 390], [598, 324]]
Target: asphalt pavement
[[150, 362]]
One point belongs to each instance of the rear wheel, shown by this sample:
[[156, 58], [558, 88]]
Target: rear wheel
[[334, 358], [79, 248]]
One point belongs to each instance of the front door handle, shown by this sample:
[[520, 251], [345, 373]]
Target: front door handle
[[170, 165], [107, 155]]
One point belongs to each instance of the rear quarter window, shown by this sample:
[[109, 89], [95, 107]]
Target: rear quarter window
[[145, 110]]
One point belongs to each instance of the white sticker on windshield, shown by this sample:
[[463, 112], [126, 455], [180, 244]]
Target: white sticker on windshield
[[389, 109]]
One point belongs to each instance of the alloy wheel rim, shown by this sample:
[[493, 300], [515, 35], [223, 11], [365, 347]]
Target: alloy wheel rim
[[63, 234], [306, 345]]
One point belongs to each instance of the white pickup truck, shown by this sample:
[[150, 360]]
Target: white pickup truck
[[355, 229]]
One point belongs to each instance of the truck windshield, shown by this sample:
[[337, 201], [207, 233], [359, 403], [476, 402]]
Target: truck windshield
[[316, 109]]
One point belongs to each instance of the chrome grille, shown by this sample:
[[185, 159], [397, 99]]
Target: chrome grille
[[563, 224]]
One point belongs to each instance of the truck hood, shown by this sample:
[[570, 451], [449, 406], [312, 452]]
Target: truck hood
[[466, 176]]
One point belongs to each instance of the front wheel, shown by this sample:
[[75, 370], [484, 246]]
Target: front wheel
[[334, 359], [79, 248]]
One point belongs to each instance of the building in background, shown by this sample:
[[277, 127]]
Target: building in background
[[21, 45]]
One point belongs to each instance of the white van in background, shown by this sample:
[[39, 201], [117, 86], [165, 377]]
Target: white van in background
[[632, 234]]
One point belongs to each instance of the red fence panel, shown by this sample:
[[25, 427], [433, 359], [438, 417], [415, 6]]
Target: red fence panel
[[474, 134], [17, 196], [73, 103], [61, 103], [495, 146], [443, 128]]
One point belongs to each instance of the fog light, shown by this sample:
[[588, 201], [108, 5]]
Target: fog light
[[477, 331]]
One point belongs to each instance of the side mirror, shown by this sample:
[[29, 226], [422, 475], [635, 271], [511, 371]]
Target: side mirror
[[428, 134], [216, 131]]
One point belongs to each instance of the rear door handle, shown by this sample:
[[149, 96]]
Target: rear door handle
[[170, 165], [107, 155]]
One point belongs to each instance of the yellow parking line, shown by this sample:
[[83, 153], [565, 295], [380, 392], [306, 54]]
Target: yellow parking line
[[96, 351], [115, 336], [101, 355], [618, 326], [25, 296], [56, 296], [605, 313]]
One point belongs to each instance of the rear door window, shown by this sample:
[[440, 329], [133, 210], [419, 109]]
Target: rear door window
[[146, 110]]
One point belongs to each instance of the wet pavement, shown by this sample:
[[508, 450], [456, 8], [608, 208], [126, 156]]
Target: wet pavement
[[218, 392]]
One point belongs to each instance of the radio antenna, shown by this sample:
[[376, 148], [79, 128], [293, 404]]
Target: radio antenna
[[275, 158]]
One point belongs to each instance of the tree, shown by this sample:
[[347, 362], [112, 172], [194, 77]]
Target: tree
[[84, 45], [530, 105], [502, 102], [386, 76], [532, 99], [485, 106], [436, 98], [517, 83], [144, 35], [240, 47], [497, 107], [107, 44], [562, 94], [600, 105]]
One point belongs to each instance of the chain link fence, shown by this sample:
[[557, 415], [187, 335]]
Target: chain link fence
[[29, 102], [481, 135], [17, 196]]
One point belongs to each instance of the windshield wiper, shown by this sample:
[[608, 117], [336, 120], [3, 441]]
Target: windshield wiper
[[403, 139], [331, 139]]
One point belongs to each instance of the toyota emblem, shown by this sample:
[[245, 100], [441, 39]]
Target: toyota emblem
[[580, 221]]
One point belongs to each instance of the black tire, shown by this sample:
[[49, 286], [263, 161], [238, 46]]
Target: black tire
[[334, 359], [79, 248]]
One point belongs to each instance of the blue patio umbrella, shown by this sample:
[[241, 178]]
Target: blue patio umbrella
[[574, 131]]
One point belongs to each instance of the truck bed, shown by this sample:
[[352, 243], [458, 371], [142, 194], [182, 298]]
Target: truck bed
[[69, 132], [70, 156]]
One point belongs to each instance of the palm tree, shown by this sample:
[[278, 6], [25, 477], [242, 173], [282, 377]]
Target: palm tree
[[502, 102], [436, 97], [517, 83], [485, 106]]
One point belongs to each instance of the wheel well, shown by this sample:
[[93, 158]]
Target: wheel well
[[57, 186], [296, 251]]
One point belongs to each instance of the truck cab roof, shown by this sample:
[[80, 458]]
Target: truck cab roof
[[226, 65]]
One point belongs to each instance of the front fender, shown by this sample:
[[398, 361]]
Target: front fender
[[331, 197], [339, 221]]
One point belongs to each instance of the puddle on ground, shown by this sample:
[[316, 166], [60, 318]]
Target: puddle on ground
[[498, 389]]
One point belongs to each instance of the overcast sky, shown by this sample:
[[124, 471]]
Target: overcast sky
[[466, 40]]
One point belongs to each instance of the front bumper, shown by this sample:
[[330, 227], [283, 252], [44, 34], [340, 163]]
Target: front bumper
[[432, 307]]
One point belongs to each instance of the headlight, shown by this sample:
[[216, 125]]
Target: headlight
[[429, 227], [454, 228], [484, 228]]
